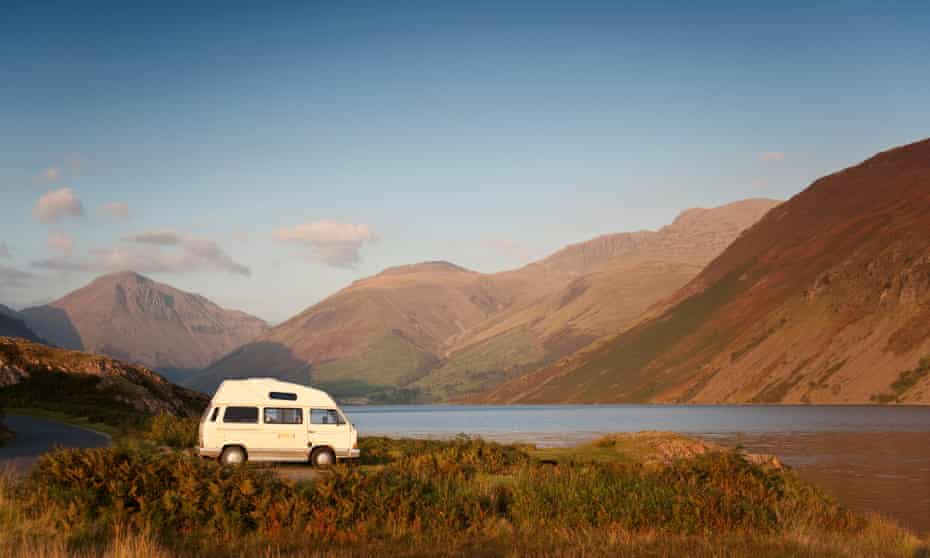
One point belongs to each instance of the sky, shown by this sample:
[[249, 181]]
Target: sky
[[266, 154]]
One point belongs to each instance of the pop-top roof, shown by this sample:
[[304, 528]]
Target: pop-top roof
[[269, 390]]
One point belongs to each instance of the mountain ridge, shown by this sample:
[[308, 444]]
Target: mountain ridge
[[134, 318], [824, 300], [395, 329]]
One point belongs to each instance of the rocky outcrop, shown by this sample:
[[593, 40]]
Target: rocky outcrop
[[135, 386]]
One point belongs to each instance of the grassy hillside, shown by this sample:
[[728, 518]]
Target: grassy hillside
[[824, 300], [91, 389]]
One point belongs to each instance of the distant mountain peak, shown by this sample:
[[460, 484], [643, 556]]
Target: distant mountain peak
[[121, 276], [129, 316]]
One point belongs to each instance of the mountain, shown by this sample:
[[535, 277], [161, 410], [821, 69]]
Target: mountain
[[595, 288], [383, 331], [132, 318], [825, 300], [437, 331], [38, 376], [13, 325]]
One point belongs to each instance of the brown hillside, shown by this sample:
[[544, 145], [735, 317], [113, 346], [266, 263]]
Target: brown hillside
[[825, 300], [383, 330], [135, 319], [447, 331], [604, 286]]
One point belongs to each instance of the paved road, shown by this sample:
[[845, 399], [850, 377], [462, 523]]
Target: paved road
[[35, 436]]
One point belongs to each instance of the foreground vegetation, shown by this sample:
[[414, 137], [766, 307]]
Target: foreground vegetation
[[423, 497]]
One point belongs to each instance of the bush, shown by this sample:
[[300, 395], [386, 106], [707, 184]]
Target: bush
[[451, 490], [463, 451], [172, 431], [710, 493]]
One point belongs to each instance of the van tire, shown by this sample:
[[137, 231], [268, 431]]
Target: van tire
[[322, 458], [233, 455]]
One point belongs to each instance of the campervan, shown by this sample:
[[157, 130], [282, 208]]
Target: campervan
[[263, 419]]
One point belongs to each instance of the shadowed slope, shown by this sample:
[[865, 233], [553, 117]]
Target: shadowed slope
[[13, 325]]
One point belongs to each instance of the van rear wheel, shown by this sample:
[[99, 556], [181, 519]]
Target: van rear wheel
[[233, 455], [322, 458]]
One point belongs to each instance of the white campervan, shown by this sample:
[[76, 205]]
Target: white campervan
[[263, 419]]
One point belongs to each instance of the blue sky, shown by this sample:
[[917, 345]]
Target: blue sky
[[267, 154]]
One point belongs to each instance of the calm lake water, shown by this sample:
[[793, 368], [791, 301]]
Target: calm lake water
[[869, 458]]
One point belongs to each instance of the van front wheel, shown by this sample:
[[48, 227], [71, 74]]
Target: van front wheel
[[233, 455], [322, 458]]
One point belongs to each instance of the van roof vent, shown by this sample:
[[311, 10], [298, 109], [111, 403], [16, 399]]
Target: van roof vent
[[282, 395]]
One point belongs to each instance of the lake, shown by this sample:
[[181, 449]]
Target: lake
[[868, 457]]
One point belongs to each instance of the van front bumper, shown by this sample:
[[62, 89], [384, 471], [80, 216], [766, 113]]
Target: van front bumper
[[349, 454], [209, 452]]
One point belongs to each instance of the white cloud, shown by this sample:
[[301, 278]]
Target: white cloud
[[5, 251], [162, 237], [118, 211], [58, 204], [61, 243], [335, 244], [153, 252], [772, 156]]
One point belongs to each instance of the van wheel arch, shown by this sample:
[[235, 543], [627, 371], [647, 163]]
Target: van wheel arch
[[228, 450], [323, 456]]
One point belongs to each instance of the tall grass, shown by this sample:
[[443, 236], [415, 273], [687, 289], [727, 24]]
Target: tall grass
[[463, 497]]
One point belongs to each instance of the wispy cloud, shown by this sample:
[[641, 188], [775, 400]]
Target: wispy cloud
[[118, 211], [61, 243], [162, 237], [335, 244], [57, 205], [12, 278], [5, 252], [772, 156], [153, 252]]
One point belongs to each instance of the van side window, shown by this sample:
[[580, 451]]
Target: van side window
[[282, 395], [325, 416], [283, 416], [214, 414], [241, 414]]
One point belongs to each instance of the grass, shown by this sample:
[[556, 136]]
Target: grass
[[390, 360], [629, 356], [484, 365], [80, 396], [906, 380], [462, 497]]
